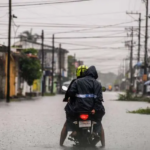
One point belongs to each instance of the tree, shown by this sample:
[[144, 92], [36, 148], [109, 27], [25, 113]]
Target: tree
[[71, 66], [30, 66], [27, 35]]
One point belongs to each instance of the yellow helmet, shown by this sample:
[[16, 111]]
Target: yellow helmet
[[80, 70]]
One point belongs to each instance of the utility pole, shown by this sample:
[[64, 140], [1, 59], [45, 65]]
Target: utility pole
[[8, 53], [139, 38], [146, 42], [139, 42], [42, 62], [60, 67], [74, 74], [53, 47], [131, 58], [139, 33], [129, 44]]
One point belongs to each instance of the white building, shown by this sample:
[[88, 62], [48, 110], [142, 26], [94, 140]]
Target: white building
[[47, 55], [24, 44]]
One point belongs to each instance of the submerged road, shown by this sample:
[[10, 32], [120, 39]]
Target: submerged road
[[36, 125]]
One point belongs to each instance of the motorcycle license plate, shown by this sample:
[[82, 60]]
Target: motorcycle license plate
[[84, 123]]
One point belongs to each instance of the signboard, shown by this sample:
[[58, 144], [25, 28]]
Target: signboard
[[148, 88], [145, 77]]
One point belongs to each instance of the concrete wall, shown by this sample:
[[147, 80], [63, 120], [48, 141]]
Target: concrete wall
[[2, 75], [25, 88], [12, 76]]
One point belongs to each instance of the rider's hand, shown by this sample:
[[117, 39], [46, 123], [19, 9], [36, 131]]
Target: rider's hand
[[93, 111], [69, 99]]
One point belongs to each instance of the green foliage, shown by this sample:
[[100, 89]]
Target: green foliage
[[71, 66], [30, 51], [30, 67], [141, 111], [27, 35], [103, 89], [129, 97], [122, 97], [126, 96]]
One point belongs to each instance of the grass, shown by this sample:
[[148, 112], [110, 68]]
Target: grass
[[129, 97], [141, 111], [138, 99]]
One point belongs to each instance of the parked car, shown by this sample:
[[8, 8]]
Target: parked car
[[65, 86]]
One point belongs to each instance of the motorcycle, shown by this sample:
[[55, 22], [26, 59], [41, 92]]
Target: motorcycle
[[85, 127]]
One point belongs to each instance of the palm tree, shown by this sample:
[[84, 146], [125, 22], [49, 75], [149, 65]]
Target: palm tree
[[27, 35]]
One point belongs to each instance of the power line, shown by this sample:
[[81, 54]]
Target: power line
[[106, 48], [106, 26], [34, 4], [83, 37], [90, 37]]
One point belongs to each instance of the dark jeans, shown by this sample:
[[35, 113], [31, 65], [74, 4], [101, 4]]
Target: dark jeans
[[71, 117], [98, 118]]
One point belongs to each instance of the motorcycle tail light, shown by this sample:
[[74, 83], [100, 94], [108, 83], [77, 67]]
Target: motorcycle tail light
[[84, 116]]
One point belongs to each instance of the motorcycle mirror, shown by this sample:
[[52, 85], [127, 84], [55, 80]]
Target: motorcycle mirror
[[103, 89]]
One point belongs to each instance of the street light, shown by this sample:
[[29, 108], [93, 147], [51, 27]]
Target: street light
[[13, 16], [15, 32]]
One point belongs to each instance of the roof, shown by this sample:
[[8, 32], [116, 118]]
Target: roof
[[3, 48], [32, 56], [44, 45], [56, 50], [16, 54], [139, 64]]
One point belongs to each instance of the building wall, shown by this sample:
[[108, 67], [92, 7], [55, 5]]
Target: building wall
[[47, 87], [36, 86], [2, 75], [66, 65], [25, 88], [12, 76]]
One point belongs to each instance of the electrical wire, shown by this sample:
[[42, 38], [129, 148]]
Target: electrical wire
[[46, 3]]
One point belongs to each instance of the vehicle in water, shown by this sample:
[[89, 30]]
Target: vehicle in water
[[85, 127]]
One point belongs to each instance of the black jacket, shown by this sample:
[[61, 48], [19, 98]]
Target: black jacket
[[69, 108], [67, 94], [87, 92]]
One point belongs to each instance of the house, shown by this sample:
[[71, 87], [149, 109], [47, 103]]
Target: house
[[138, 75], [15, 78], [46, 80], [138, 72]]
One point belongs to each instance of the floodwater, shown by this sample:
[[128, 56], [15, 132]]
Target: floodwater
[[36, 125]]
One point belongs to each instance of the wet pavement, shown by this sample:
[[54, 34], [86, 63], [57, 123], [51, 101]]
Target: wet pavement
[[36, 125]]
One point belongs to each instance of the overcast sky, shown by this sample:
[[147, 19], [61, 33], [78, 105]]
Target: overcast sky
[[98, 19]]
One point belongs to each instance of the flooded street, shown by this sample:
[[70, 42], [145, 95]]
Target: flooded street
[[36, 125]]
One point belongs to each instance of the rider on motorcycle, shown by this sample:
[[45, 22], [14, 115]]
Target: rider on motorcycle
[[69, 108], [86, 93]]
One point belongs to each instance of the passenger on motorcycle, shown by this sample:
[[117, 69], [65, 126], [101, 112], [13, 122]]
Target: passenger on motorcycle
[[86, 92]]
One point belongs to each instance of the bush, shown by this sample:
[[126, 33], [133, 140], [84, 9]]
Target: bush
[[141, 111], [126, 96], [30, 67], [122, 97]]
